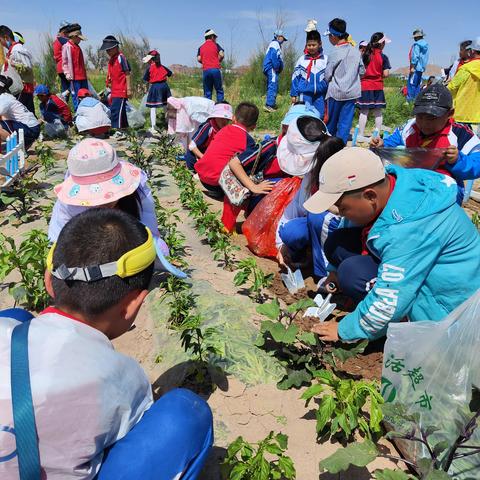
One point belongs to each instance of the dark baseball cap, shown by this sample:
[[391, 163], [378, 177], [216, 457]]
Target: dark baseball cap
[[435, 100]]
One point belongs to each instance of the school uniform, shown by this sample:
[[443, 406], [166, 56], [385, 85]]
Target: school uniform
[[73, 65], [418, 57], [92, 116], [201, 139], [159, 91], [118, 69], [373, 95], [58, 44], [272, 67], [16, 116], [308, 81], [56, 108], [212, 74]]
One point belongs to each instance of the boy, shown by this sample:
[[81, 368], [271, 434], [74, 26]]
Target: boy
[[206, 132], [418, 57], [118, 79], [342, 73], [414, 254], [73, 64], [86, 396], [434, 127], [211, 55], [308, 79], [52, 107], [465, 88], [272, 67], [463, 57], [21, 59], [59, 42]]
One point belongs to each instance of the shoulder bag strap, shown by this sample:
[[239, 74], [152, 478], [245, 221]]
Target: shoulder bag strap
[[255, 165]]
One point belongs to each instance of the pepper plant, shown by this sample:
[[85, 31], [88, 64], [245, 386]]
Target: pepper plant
[[250, 272]]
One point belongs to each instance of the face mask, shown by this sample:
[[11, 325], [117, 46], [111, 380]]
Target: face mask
[[9, 43]]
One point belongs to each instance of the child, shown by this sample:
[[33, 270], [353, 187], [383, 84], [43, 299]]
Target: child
[[73, 64], [60, 40], [362, 46], [211, 55], [272, 67], [434, 127], [159, 91], [306, 147], [343, 71], [92, 116], [418, 57], [98, 275], [206, 132], [15, 115], [21, 59], [377, 67], [118, 79], [308, 79], [463, 58], [414, 252], [54, 109]]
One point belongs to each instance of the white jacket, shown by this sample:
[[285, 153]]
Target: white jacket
[[91, 114]]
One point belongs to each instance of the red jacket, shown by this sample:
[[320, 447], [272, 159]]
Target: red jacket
[[208, 52], [73, 64], [57, 51], [118, 68], [155, 73]]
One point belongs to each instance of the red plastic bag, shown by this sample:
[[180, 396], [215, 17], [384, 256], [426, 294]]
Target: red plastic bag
[[260, 228]]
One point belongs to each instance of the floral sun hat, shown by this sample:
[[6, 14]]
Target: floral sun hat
[[222, 110], [96, 176]]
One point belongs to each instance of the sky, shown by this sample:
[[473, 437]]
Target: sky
[[176, 27]]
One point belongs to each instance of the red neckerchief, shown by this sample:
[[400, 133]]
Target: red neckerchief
[[214, 125], [7, 56], [367, 228], [312, 61], [63, 314]]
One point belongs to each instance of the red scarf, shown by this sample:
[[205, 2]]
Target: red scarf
[[310, 64]]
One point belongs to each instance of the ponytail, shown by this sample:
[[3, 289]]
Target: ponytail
[[371, 46], [328, 146]]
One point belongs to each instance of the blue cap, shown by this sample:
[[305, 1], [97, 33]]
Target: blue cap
[[297, 111], [280, 33], [41, 90]]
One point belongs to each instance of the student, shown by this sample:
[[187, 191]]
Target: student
[[158, 92], [308, 79], [92, 116], [118, 79], [414, 252], [377, 67], [434, 127], [418, 57], [15, 115], [465, 88], [362, 46], [343, 71], [272, 67], [21, 59], [463, 57], [60, 40], [53, 108], [98, 274], [306, 147], [211, 55], [220, 117], [73, 63]]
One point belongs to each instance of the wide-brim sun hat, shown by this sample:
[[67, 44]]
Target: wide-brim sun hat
[[151, 54], [296, 111], [295, 153], [280, 33], [96, 176], [475, 45], [109, 42], [222, 110], [77, 33]]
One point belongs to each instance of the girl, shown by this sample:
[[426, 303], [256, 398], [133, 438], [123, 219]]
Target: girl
[[377, 68], [159, 91], [96, 178], [306, 147], [15, 116]]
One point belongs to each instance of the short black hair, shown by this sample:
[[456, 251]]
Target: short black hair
[[340, 26], [95, 237], [311, 128], [314, 36], [465, 44], [6, 32], [328, 146], [247, 113]]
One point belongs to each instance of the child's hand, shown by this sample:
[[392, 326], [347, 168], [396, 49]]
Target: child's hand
[[376, 142], [294, 100], [283, 256], [263, 187], [327, 331], [451, 154]]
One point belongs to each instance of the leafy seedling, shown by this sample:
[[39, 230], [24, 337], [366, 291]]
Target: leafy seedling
[[250, 273]]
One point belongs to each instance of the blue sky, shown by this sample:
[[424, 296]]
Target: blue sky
[[176, 27]]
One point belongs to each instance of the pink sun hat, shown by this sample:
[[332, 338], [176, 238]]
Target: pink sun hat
[[222, 110], [96, 176]]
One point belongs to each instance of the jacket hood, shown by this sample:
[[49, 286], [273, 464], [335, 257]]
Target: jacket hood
[[422, 44], [473, 67], [89, 102], [417, 194]]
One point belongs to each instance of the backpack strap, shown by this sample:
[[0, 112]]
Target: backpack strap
[[22, 405]]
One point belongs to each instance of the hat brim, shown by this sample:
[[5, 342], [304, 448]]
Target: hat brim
[[321, 201], [431, 110], [108, 46], [97, 194], [293, 163], [147, 58]]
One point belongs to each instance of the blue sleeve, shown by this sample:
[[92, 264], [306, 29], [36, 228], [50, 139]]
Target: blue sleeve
[[275, 59], [415, 55], [386, 62], [296, 76], [124, 63], [395, 139], [50, 111], [201, 135], [146, 76], [467, 166], [322, 87], [219, 48]]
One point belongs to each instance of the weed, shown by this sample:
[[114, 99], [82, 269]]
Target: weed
[[476, 220]]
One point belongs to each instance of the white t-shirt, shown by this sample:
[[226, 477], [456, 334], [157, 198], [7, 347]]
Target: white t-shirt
[[86, 396], [12, 109]]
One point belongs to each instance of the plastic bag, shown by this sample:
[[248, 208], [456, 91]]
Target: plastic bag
[[17, 86], [55, 129], [430, 368], [260, 228], [135, 117]]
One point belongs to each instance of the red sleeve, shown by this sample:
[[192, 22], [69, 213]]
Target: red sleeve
[[57, 51]]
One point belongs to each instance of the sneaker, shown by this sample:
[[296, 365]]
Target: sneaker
[[363, 139], [269, 109], [118, 135], [153, 132]]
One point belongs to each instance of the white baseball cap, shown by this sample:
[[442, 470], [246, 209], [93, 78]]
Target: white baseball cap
[[209, 32], [347, 170]]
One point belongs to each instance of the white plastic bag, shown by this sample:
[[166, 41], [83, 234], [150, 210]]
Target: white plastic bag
[[17, 85], [431, 368], [135, 117], [55, 129]]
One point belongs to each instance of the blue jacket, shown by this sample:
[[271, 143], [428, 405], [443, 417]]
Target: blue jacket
[[419, 55], [273, 58], [315, 85], [429, 253]]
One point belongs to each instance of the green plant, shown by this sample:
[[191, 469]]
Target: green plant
[[136, 152], [476, 220], [45, 157], [249, 271], [343, 405], [28, 260], [265, 460]]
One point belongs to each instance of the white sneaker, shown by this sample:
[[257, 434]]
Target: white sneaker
[[363, 139], [152, 131], [118, 135]]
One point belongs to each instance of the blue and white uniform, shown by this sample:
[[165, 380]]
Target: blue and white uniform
[[272, 67]]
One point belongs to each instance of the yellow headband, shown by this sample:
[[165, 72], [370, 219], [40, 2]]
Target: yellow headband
[[129, 264]]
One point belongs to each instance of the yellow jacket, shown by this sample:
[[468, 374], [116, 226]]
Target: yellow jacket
[[465, 88]]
